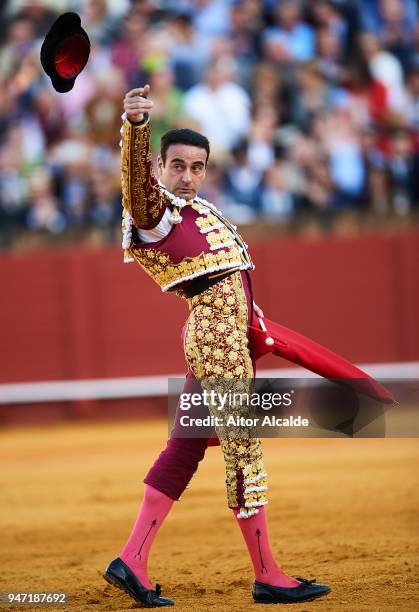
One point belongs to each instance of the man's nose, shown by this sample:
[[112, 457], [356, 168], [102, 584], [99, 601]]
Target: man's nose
[[187, 176]]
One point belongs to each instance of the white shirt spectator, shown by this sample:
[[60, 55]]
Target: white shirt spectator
[[387, 69], [223, 113]]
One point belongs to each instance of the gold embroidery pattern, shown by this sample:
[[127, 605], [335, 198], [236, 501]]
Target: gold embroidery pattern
[[205, 204], [141, 195], [159, 266], [216, 348], [205, 222], [217, 216], [219, 236]]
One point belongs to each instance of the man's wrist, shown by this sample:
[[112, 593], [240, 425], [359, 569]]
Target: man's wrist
[[136, 123]]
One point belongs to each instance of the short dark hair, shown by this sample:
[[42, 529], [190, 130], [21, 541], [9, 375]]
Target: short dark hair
[[183, 136]]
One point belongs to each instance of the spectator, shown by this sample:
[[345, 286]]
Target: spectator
[[267, 87], [103, 111], [129, 47], [378, 190], [276, 200], [319, 196], [311, 95], [329, 53], [262, 138], [70, 163], [213, 188], [189, 53], [369, 98], [326, 15], [371, 147], [39, 14], [386, 69], [346, 163], [394, 22], [374, 159], [97, 20], [375, 13], [403, 168], [412, 97], [50, 115], [290, 38], [8, 108], [211, 17], [220, 106], [104, 201], [242, 180], [19, 41], [168, 102], [245, 28], [13, 194], [44, 213]]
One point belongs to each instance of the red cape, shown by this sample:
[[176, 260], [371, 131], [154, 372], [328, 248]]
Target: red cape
[[295, 347], [299, 349]]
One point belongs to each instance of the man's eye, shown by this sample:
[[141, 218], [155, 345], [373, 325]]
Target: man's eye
[[177, 167]]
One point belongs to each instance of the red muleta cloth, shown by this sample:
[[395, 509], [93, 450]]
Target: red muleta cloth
[[295, 347], [299, 349]]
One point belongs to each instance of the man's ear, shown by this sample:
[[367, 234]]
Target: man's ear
[[160, 163]]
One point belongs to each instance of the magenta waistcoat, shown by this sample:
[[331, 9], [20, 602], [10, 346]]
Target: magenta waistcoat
[[203, 242]]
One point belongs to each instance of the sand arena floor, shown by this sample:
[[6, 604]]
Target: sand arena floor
[[344, 511]]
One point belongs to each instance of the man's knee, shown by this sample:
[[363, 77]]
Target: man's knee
[[152, 495], [187, 450], [176, 465]]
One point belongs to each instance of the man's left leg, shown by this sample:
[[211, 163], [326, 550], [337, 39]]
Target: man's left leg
[[255, 533], [224, 366]]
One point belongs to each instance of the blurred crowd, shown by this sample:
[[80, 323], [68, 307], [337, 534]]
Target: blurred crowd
[[311, 108]]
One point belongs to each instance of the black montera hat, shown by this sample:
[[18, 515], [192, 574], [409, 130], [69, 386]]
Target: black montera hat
[[65, 51]]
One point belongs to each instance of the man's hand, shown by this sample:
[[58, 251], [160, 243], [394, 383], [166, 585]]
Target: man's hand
[[136, 103]]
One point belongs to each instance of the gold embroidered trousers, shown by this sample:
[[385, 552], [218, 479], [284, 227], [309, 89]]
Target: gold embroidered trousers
[[217, 352]]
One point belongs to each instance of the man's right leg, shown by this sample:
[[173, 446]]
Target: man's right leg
[[153, 510], [165, 483]]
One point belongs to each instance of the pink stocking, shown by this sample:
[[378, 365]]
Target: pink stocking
[[153, 511], [255, 533]]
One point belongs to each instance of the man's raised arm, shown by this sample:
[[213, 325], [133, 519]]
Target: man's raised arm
[[141, 196]]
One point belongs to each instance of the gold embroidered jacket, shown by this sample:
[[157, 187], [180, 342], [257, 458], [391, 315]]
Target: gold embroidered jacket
[[201, 240]]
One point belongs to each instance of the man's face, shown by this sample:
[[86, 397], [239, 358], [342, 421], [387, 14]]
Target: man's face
[[184, 170]]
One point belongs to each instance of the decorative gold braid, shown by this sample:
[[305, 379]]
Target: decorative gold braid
[[141, 195]]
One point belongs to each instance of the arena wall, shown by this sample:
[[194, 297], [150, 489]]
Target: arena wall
[[80, 313]]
